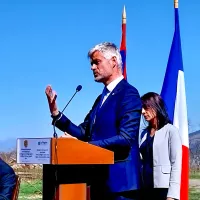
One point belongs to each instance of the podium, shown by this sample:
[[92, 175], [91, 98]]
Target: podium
[[69, 165], [73, 165]]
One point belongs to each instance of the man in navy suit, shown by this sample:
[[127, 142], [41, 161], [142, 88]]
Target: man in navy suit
[[112, 123], [7, 180]]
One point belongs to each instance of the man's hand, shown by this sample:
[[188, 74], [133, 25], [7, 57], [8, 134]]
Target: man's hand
[[66, 135], [169, 198], [51, 97]]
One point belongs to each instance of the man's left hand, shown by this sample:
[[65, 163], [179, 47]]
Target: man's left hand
[[66, 135]]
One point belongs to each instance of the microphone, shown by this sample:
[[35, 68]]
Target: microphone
[[78, 88]]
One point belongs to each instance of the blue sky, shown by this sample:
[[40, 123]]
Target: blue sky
[[46, 42]]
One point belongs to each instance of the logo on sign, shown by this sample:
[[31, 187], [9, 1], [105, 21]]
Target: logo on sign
[[42, 143], [25, 143]]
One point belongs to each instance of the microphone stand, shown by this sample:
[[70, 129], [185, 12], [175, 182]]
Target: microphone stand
[[55, 135]]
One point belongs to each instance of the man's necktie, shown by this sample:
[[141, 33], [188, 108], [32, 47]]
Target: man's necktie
[[104, 93]]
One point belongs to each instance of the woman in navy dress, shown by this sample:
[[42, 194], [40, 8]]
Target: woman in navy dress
[[161, 151]]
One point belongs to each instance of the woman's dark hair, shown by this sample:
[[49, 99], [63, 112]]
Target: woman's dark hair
[[154, 101]]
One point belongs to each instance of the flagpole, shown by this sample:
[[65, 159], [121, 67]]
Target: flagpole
[[123, 43], [124, 16], [175, 3]]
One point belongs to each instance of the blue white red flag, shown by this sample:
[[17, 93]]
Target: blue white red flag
[[173, 93]]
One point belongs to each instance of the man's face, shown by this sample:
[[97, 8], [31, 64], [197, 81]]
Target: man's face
[[102, 68]]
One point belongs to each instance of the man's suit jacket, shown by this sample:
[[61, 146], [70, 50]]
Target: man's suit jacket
[[7, 180], [167, 157], [116, 128]]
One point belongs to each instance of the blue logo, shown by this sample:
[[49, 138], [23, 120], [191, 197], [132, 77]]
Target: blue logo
[[42, 143]]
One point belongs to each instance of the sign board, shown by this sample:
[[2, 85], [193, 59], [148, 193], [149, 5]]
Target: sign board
[[33, 150]]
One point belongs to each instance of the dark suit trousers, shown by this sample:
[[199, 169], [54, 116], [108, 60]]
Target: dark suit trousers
[[154, 194]]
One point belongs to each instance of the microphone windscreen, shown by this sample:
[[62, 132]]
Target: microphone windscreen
[[79, 87]]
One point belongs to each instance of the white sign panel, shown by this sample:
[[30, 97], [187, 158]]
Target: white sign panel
[[33, 150]]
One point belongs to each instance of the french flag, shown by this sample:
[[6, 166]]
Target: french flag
[[173, 93], [123, 43]]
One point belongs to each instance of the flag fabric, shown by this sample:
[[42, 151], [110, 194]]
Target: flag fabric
[[123, 44], [173, 93]]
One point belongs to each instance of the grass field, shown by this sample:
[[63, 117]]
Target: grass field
[[30, 190], [195, 175], [194, 194]]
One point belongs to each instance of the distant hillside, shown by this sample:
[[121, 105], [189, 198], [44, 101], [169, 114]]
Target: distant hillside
[[7, 145], [194, 136], [194, 143]]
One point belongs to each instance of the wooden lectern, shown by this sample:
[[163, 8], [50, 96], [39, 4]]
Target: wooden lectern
[[74, 164]]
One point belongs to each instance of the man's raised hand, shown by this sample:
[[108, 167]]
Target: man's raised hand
[[51, 97]]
